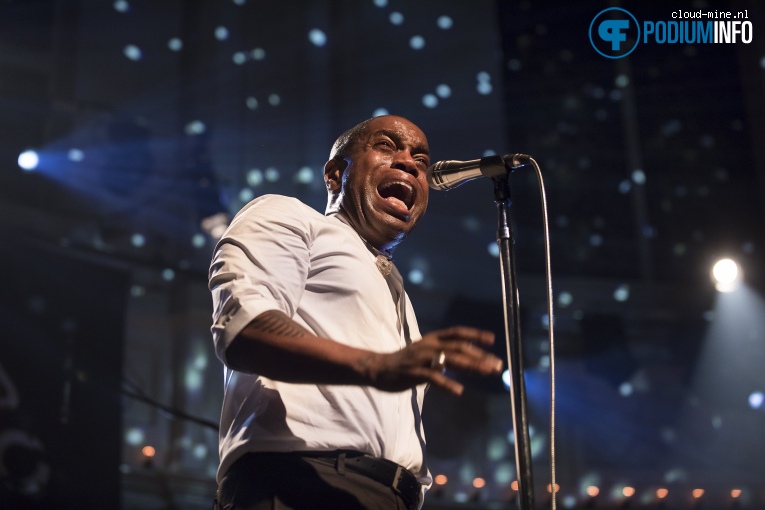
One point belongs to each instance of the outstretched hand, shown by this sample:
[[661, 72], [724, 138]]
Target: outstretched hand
[[425, 361]]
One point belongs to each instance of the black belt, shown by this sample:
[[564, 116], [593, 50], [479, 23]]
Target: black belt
[[384, 471]]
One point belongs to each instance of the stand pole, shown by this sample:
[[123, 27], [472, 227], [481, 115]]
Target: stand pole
[[513, 342]]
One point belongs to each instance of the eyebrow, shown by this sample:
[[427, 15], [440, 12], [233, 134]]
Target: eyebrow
[[394, 135]]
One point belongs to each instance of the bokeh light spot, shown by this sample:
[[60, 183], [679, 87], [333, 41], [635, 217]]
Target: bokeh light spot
[[132, 52], [221, 33], [430, 100], [317, 37], [417, 42], [445, 22]]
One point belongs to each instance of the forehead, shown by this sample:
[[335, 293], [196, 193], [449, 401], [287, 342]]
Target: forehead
[[403, 129]]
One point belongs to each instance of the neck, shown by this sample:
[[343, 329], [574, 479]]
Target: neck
[[384, 249]]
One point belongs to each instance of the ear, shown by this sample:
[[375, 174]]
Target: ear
[[333, 174]]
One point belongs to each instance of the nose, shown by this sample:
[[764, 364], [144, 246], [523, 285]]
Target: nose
[[403, 160]]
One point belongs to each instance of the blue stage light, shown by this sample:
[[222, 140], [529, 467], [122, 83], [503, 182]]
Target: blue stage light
[[28, 160]]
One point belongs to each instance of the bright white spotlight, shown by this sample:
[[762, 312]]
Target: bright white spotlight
[[726, 275], [28, 160], [756, 399]]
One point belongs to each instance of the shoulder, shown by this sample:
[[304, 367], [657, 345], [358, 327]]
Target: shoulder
[[278, 203], [277, 209]]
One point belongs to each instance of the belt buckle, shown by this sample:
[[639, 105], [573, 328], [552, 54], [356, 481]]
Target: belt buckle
[[400, 470], [396, 478]]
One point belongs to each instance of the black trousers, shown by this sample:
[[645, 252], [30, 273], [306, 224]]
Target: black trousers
[[288, 481]]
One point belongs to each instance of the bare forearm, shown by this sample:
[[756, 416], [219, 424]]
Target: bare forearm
[[277, 347]]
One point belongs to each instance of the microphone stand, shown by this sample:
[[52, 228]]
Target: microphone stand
[[513, 342]]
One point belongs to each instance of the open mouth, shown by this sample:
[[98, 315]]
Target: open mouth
[[398, 193]]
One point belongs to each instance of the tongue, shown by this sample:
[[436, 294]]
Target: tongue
[[395, 201]]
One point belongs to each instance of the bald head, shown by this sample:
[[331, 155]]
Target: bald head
[[344, 144]]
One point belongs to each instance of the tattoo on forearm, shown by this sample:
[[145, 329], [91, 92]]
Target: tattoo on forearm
[[277, 323]]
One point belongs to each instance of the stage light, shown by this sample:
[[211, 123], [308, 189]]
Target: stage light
[[254, 177], [662, 493], [626, 389], [28, 160], [221, 33], [132, 52], [304, 175], [484, 88], [193, 379], [417, 42], [726, 275], [735, 493], [622, 293], [75, 155], [317, 37], [138, 240], [199, 451], [198, 240], [440, 480], [272, 174], [258, 53], [195, 127], [175, 44], [443, 91], [444, 22], [416, 276], [134, 436], [506, 379], [396, 18], [592, 491], [479, 483], [430, 100], [549, 488], [252, 103], [148, 456], [628, 492], [245, 195], [697, 493], [756, 399], [514, 485], [380, 111]]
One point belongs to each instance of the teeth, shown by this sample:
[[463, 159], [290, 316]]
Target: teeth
[[400, 183]]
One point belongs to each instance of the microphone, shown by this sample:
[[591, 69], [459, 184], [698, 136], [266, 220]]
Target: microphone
[[446, 175]]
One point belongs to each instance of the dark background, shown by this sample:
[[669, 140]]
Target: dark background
[[151, 117]]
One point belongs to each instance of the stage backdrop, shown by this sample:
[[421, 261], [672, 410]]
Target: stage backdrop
[[60, 366]]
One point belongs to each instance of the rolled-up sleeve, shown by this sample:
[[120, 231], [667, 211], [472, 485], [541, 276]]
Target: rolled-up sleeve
[[260, 263]]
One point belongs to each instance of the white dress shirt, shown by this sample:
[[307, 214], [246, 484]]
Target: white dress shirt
[[279, 254]]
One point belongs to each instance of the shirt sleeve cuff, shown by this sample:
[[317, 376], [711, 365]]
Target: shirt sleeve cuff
[[231, 322]]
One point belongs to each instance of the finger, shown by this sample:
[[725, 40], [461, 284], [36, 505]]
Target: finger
[[466, 334], [438, 379], [465, 357]]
